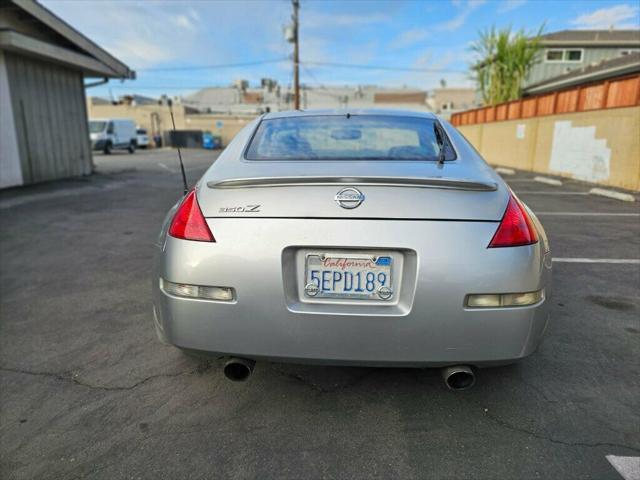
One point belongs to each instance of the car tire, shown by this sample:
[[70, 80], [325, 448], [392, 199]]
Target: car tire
[[107, 148], [132, 147]]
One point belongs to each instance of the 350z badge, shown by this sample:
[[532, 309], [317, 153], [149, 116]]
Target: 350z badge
[[245, 209]]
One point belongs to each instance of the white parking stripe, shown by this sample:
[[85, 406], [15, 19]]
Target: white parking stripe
[[588, 214], [549, 181], [603, 192], [632, 261], [627, 467], [167, 168]]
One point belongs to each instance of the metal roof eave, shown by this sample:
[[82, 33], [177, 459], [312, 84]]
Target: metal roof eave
[[42, 14], [18, 42], [581, 79]]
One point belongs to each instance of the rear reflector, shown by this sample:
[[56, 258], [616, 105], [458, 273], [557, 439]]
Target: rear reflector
[[516, 228], [496, 300], [221, 294], [189, 223]]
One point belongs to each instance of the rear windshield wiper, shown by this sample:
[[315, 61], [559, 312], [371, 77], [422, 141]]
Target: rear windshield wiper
[[441, 139]]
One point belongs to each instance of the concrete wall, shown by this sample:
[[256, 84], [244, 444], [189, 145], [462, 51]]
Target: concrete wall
[[157, 119], [600, 146], [227, 126]]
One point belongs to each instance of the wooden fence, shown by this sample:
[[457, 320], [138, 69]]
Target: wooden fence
[[623, 92]]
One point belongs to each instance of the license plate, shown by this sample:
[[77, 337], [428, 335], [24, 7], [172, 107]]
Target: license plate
[[361, 277]]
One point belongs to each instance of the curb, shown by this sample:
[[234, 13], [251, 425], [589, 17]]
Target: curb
[[625, 197], [505, 171], [548, 181]]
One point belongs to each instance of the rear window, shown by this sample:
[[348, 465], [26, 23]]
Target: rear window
[[355, 137]]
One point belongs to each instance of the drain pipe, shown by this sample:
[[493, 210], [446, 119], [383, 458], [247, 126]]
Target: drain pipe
[[95, 84]]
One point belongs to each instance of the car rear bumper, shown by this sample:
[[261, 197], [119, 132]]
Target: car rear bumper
[[426, 325]]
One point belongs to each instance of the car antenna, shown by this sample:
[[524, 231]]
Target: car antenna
[[173, 122]]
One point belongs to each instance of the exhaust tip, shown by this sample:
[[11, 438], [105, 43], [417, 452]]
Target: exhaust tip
[[460, 377], [238, 369]]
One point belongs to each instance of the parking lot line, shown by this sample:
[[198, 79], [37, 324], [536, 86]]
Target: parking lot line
[[549, 181], [631, 261], [167, 168], [589, 214]]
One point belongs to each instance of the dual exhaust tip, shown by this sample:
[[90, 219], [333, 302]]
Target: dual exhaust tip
[[458, 377]]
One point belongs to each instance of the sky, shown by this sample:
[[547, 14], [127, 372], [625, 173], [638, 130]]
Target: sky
[[163, 40]]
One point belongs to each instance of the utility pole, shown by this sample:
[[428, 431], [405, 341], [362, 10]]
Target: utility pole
[[296, 55]]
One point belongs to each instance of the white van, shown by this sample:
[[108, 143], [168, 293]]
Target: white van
[[108, 134]]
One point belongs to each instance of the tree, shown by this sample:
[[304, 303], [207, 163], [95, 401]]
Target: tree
[[505, 60]]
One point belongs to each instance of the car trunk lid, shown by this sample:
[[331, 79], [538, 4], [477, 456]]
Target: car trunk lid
[[421, 191]]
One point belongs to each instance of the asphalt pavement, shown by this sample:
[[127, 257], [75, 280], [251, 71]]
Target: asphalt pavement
[[87, 391]]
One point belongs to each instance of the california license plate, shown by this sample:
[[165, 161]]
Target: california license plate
[[362, 277]]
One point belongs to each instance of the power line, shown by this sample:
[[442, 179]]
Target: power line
[[212, 67], [319, 88], [382, 67], [310, 62]]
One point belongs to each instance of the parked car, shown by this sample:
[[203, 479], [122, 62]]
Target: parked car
[[142, 139], [110, 134], [353, 238]]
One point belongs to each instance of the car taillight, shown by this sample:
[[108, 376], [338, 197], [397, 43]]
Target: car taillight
[[516, 228], [189, 223]]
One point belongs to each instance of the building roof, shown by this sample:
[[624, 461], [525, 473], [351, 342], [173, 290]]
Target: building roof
[[616, 67], [31, 29], [232, 99], [592, 38]]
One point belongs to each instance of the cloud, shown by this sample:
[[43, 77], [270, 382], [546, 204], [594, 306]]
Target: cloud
[[459, 20], [620, 16], [141, 35], [188, 20], [436, 59], [313, 19], [409, 38], [314, 49], [509, 5], [139, 52]]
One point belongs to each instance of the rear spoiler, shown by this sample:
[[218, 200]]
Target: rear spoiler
[[429, 182]]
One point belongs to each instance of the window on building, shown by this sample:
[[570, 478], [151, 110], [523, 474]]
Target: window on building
[[573, 55], [554, 55], [629, 51], [563, 55]]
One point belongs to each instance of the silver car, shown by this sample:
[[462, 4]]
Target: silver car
[[361, 237]]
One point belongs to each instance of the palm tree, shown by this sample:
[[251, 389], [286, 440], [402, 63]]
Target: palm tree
[[505, 59]]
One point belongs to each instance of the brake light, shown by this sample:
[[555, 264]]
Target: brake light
[[189, 223], [516, 228]]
